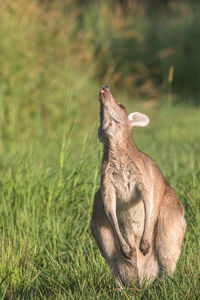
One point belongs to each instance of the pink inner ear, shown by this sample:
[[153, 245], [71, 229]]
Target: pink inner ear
[[101, 91]]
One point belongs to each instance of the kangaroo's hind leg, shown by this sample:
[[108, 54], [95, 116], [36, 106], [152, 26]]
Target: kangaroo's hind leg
[[171, 228], [103, 235]]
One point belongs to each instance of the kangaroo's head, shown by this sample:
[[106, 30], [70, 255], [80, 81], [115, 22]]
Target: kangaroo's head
[[113, 117]]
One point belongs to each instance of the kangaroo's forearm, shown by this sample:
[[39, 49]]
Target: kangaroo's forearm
[[109, 201], [148, 221]]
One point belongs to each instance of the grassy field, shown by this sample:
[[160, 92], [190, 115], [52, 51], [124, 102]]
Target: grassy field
[[49, 153], [47, 188]]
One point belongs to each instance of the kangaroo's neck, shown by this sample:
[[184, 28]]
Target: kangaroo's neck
[[119, 143]]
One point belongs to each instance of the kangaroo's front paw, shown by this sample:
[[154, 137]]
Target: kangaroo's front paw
[[144, 247], [127, 251]]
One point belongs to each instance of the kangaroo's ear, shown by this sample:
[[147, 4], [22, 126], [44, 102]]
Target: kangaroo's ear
[[138, 119]]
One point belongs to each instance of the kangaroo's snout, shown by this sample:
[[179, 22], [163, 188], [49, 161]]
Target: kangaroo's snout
[[104, 90]]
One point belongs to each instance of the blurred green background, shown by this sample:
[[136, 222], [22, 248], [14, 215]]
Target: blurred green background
[[51, 51]]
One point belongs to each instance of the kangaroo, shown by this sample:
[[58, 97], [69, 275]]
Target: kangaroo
[[138, 220]]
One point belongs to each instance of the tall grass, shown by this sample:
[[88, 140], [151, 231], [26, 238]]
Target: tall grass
[[53, 59], [46, 248]]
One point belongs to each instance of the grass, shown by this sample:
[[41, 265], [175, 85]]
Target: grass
[[46, 247], [50, 157]]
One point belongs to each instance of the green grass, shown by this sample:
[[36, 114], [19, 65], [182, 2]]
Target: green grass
[[46, 199]]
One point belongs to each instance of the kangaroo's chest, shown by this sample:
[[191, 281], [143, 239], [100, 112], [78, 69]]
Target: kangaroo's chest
[[125, 180]]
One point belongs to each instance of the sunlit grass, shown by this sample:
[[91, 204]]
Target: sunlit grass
[[46, 247]]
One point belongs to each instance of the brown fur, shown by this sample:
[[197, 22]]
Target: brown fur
[[138, 220]]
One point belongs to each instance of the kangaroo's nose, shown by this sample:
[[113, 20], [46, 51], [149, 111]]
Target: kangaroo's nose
[[104, 88]]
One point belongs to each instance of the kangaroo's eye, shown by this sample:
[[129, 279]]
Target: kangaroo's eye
[[122, 106]]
